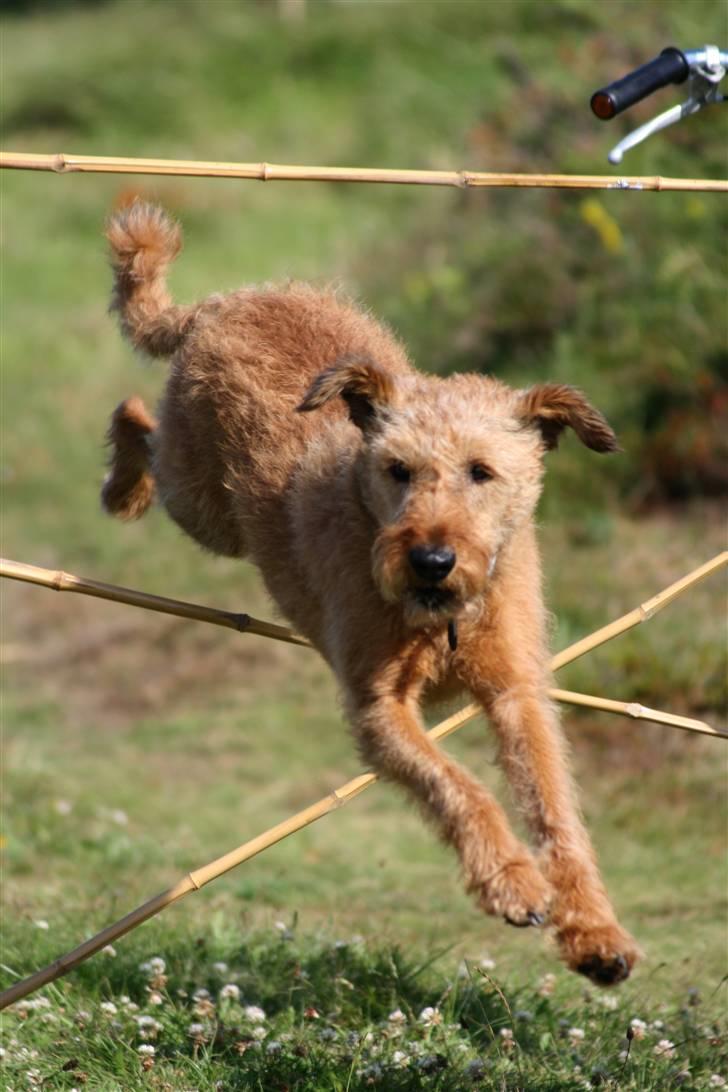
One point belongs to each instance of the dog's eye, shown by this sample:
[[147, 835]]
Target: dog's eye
[[399, 472], [480, 473]]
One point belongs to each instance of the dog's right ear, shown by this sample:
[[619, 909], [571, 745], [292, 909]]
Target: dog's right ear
[[365, 387]]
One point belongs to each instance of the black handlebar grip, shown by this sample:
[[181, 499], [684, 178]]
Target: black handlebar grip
[[670, 67]]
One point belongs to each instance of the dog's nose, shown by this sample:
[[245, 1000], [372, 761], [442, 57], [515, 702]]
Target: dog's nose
[[432, 563]]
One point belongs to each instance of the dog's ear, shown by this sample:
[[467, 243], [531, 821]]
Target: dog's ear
[[550, 407], [365, 387]]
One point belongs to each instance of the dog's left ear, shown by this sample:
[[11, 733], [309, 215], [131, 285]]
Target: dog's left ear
[[550, 407], [365, 387]]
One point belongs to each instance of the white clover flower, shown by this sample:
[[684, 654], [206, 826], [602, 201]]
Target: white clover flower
[[153, 966], [259, 1032], [657, 1025], [119, 817], [639, 1027], [41, 923], [201, 994], [430, 1016], [716, 1081], [63, 807], [197, 1031], [147, 1027], [108, 950], [546, 985], [576, 1036], [230, 992], [109, 1008], [664, 1049], [155, 998], [397, 1017], [147, 1050], [507, 1040], [607, 1001], [220, 968], [400, 1059], [487, 964], [254, 1013]]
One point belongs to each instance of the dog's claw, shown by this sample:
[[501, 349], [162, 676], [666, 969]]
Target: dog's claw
[[531, 918]]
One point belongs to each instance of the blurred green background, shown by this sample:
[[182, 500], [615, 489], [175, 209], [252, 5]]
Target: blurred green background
[[137, 747]]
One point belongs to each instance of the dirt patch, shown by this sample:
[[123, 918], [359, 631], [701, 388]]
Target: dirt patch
[[112, 664]]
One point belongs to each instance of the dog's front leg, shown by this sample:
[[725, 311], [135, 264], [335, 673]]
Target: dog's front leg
[[498, 869], [532, 751]]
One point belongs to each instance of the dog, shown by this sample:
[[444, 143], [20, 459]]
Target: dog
[[391, 515]]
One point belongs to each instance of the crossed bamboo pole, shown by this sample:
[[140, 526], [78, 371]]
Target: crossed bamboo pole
[[61, 163], [244, 623], [193, 881]]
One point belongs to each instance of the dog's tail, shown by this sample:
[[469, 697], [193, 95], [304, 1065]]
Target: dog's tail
[[128, 489], [144, 240]]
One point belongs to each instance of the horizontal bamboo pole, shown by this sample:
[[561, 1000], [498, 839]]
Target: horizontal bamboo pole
[[61, 163], [61, 581], [637, 711], [197, 879]]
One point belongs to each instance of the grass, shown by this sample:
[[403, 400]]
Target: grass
[[279, 1011], [136, 747]]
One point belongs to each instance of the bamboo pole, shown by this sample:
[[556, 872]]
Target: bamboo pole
[[62, 163], [242, 622], [637, 711], [642, 613], [193, 881], [61, 581]]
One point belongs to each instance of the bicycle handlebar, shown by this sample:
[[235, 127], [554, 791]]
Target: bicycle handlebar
[[670, 67]]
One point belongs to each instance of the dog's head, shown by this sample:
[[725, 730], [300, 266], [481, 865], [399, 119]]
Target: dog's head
[[449, 469]]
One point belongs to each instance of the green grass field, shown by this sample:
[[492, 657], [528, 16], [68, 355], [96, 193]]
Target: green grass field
[[137, 747]]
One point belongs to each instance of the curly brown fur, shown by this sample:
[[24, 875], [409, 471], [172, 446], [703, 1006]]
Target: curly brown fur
[[390, 506], [128, 488]]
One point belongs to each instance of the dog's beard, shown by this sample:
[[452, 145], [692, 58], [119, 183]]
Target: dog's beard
[[424, 605], [430, 605]]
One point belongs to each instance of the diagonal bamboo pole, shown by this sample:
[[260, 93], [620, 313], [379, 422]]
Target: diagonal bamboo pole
[[642, 613], [61, 163], [637, 711], [193, 881], [61, 581]]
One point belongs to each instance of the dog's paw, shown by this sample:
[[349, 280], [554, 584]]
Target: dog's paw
[[606, 954], [517, 892]]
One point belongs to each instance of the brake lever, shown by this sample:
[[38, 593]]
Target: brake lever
[[706, 72]]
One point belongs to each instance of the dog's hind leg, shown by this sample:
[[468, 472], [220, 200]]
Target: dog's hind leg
[[128, 488]]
